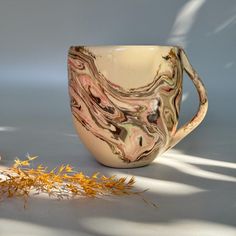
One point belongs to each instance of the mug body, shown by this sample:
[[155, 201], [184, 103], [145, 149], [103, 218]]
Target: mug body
[[125, 100]]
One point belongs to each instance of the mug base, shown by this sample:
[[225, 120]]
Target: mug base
[[125, 165]]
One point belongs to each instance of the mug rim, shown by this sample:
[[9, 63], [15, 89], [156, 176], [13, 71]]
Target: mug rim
[[124, 45]]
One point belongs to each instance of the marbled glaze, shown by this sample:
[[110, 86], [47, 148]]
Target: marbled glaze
[[135, 115]]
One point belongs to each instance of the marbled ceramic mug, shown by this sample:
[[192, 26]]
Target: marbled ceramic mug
[[125, 100]]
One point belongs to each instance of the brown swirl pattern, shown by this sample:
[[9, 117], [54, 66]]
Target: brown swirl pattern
[[135, 122]]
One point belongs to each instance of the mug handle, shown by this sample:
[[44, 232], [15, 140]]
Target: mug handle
[[203, 101]]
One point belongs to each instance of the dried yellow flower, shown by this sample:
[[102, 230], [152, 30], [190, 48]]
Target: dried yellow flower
[[62, 182]]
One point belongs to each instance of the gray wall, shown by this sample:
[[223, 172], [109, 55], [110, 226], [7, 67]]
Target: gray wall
[[35, 36]]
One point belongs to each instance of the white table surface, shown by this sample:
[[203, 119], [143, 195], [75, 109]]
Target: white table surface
[[193, 184]]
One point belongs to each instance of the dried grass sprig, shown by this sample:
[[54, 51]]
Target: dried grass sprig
[[63, 182]]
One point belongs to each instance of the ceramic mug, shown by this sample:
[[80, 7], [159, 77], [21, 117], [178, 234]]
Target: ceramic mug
[[125, 100]]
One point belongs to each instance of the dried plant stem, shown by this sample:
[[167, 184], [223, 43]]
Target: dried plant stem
[[63, 182]]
